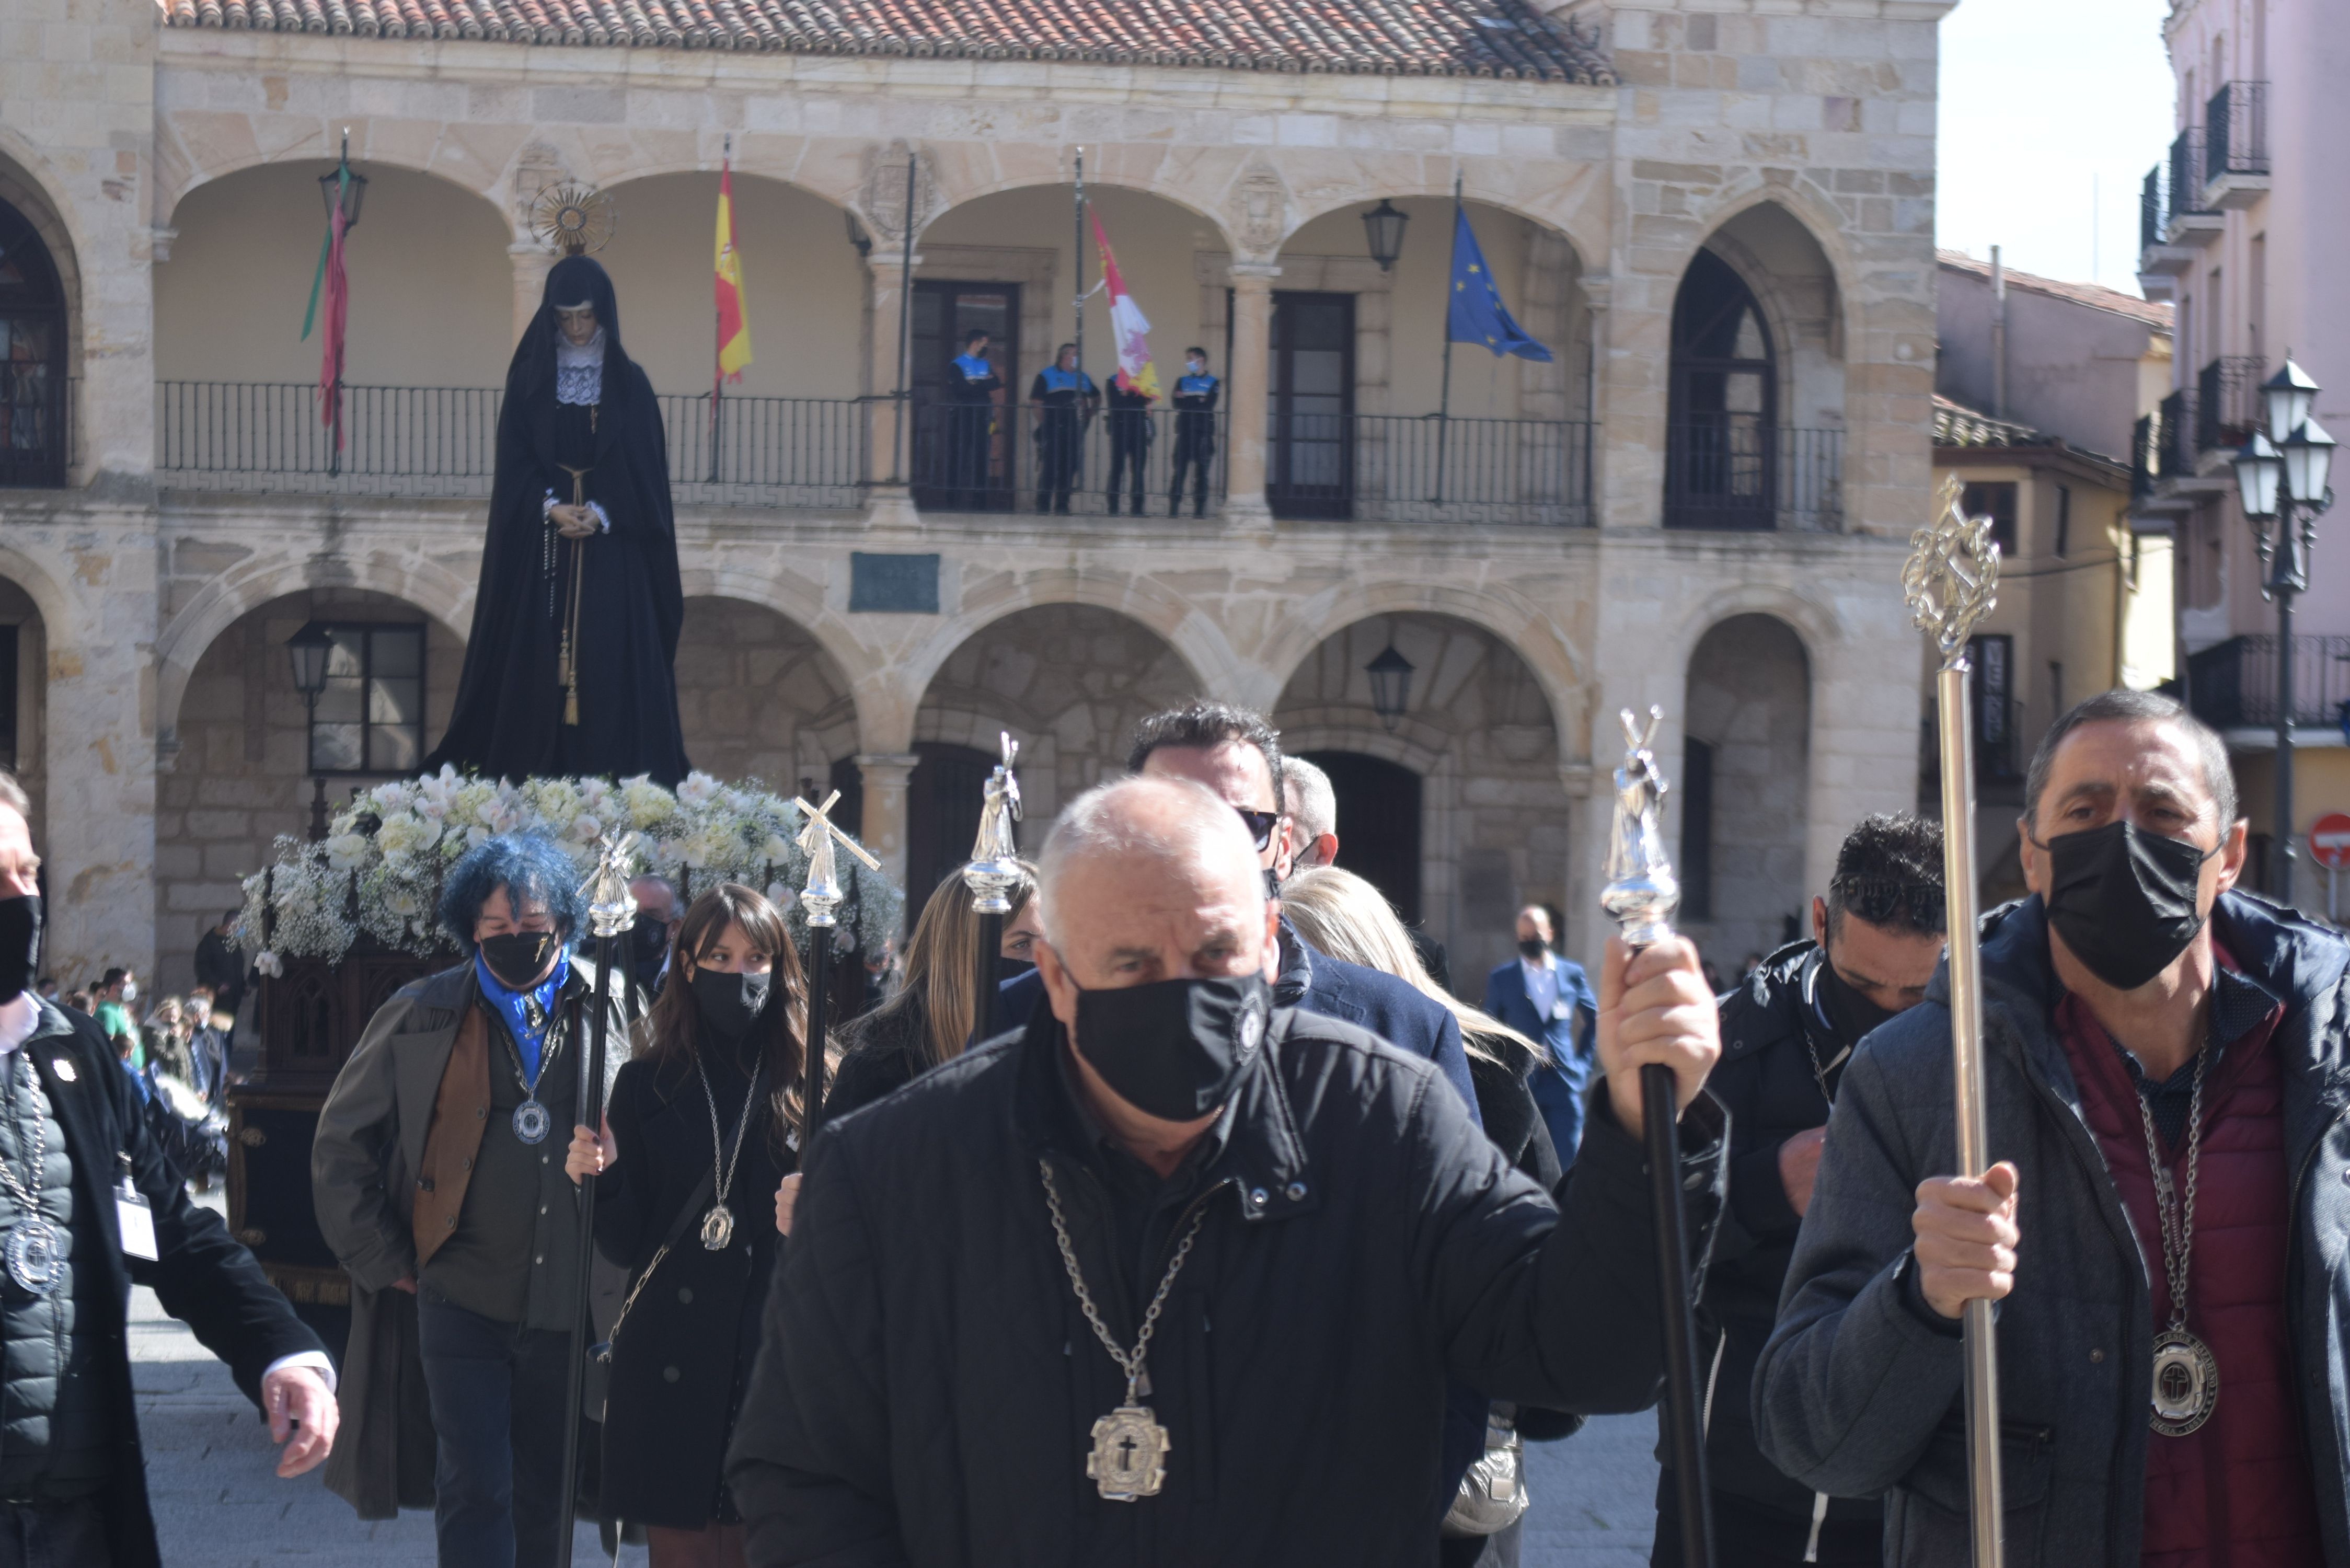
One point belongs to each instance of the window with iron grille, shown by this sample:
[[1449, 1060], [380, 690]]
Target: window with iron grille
[[370, 716]]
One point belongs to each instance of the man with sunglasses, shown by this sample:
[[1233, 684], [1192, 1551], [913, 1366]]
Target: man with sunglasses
[[1787, 1031]]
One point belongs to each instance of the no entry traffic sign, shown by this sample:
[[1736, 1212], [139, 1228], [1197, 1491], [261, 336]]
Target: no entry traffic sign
[[2329, 840]]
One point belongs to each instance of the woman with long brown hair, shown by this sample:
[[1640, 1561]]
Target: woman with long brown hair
[[936, 1011], [698, 1140]]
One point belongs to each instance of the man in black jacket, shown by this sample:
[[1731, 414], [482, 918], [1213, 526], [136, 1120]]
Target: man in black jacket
[[1786, 1032], [1173, 1276], [79, 1232]]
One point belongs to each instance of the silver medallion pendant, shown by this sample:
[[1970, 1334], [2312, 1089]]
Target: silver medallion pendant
[[532, 1122], [2186, 1383], [1130, 1457], [31, 1251], [717, 1228]]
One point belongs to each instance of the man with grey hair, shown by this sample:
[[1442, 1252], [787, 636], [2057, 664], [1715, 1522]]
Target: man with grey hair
[[2167, 1068], [1178, 1275], [1313, 812]]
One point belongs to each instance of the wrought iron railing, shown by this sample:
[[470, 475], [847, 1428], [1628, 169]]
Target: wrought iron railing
[[2227, 402], [1733, 472], [2236, 130], [2152, 213], [2232, 684], [1404, 468], [442, 440], [2146, 453], [36, 424], [1015, 457], [2186, 173], [2175, 418]]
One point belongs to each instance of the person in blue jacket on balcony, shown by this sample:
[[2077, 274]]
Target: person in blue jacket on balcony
[[1195, 430], [969, 392], [1064, 398]]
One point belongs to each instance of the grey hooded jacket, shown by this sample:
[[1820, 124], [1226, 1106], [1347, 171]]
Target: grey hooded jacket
[[1858, 1395]]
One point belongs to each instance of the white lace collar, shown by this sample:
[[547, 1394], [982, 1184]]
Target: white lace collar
[[579, 370]]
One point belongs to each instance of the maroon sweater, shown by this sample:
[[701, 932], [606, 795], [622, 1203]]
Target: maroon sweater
[[2235, 1492]]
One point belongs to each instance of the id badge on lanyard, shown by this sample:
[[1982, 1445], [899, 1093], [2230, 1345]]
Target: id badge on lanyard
[[133, 1216]]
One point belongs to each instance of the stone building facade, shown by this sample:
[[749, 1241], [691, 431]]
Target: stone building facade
[[1718, 217]]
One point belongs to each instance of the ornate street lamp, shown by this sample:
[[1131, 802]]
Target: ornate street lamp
[[1390, 675], [341, 186], [1383, 228], [307, 650], [2283, 480]]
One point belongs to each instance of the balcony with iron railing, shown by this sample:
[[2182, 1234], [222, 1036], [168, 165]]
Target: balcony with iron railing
[[2236, 146], [1735, 473], [2187, 219], [35, 425], [2227, 402], [2174, 436], [2232, 684]]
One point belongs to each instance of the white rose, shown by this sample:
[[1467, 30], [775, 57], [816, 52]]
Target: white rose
[[270, 964], [699, 789], [586, 828], [348, 851]]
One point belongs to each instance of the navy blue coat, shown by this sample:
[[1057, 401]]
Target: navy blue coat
[[1389, 1008]]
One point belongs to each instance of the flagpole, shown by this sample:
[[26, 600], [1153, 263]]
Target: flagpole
[[334, 220], [1078, 245], [903, 399], [1444, 399], [717, 321]]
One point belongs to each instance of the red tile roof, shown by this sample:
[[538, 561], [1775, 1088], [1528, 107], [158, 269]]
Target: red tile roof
[[2095, 294], [1504, 39]]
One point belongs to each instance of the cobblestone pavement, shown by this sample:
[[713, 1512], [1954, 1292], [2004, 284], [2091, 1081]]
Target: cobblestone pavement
[[219, 1504]]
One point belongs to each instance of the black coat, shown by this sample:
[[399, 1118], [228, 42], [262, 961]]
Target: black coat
[[1765, 1079], [881, 1053], [202, 1277], [927, 1384], [682, 1358], [508, 722]]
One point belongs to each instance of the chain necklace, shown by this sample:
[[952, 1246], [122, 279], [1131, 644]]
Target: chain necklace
[[2185, 1373], [1130, 1457], [30, 1247], [718, 1225], [531, 1120], [1802, 1027]]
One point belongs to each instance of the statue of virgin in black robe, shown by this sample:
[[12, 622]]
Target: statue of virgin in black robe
[[570, 668]]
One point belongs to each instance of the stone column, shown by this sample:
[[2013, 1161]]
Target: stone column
[[1247, 376], [532, 262], [893, 502], [884, 775]]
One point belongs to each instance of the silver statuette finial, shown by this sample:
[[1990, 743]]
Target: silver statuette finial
[[1641, 893], [995, 867]]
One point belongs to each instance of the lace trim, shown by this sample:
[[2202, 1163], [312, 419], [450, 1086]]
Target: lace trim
[[579, 384]]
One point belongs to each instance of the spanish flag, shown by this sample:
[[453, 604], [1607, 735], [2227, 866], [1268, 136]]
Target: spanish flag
[[733, 320]]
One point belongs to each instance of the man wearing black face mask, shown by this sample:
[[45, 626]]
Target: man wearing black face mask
[[2167, 1071], [1178, 1273], [1787, 1033], [462, 1235]]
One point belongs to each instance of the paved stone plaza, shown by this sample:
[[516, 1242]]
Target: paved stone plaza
[[219, 1504]]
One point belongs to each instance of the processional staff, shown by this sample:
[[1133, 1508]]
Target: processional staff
[[611, 910], [821, 897], [1952, 580], [1640, 896], [993, 872]]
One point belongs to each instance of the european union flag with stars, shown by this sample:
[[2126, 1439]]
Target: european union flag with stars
[[1478, 315]]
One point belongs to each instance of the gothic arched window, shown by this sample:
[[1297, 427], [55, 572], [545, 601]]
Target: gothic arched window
[[1722, 457], [31, 356]]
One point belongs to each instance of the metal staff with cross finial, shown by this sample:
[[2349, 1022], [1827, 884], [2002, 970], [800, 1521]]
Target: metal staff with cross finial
[[1952, 580], [993, 872], [611, 910], [821, 897], [1640, 896]]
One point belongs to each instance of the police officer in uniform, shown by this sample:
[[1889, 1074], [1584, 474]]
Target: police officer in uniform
[[1064, 398], [972, 384], [1195, 430], [1130, 434]]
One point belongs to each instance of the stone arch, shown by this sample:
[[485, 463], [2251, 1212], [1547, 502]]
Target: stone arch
[[1480, 731], [1812, 211], [184, 168], [1748, 714], [1528, 631], [759, 694], [952, 195], [28, 183], [1814, 623], [226, 597], [1434, 183]]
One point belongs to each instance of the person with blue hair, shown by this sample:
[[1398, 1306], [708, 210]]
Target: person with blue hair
[[438, 1186]]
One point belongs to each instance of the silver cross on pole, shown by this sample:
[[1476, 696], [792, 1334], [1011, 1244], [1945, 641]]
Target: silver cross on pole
[[1951, 580], [822, 895]]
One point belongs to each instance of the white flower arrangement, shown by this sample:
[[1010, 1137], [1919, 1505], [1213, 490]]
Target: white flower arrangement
[[379, 871]]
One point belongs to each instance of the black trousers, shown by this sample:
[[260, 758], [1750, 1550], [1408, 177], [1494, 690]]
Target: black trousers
[[498, 1392], [54, 1535], [1194, 449], [1129, 454], [1060, 448], [967, 454], [1746, 1534]]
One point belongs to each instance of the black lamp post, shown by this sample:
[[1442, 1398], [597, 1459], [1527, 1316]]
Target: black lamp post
[[1390, 675], [2282, 478], [342, 187], [307, 650], [1383, 228]]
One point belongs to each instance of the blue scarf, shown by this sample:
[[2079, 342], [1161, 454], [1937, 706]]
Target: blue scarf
[[528, 1041]]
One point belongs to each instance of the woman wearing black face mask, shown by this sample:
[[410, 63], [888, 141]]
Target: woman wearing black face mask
[[934, 1015], [696, 1147]]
